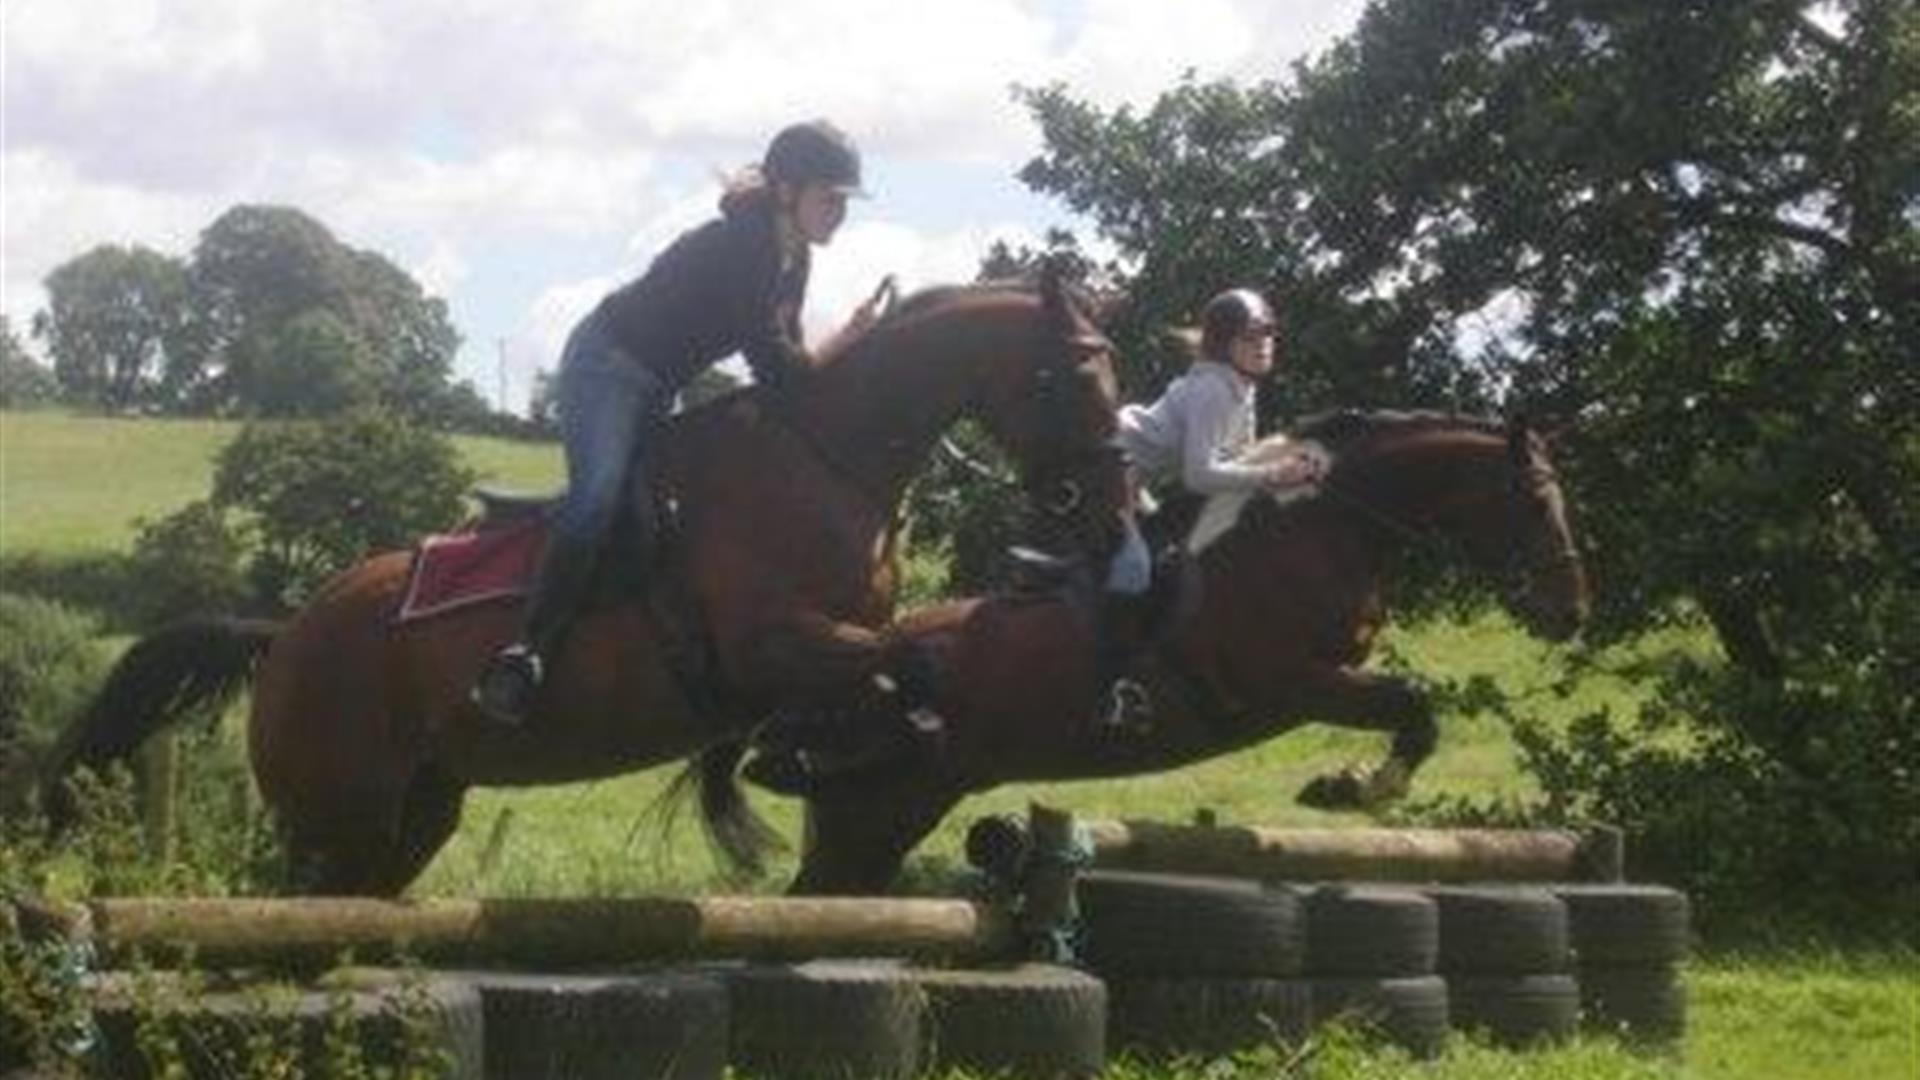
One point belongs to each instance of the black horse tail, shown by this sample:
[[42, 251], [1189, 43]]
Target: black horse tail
[[165, 675], [740, 836]]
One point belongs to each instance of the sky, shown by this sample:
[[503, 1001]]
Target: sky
[[522, 159]]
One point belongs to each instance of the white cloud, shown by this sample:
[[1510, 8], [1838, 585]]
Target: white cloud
[[466, 137]]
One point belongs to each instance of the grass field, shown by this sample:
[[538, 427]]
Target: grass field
[[71, 485]]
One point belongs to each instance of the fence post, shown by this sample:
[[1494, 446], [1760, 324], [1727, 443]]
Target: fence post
[[158, 785]]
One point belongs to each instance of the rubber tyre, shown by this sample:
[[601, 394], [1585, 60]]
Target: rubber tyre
[[1639, 1004], [1626, 926], [1030, 1020], [602, 1027], [1173, 925], [1160, 1018], [1515, 1010], [1368, 930], [1499, 930], [827, 1018], [213, 1030], [1410, 1012]]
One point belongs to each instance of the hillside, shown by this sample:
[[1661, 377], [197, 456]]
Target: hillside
[[72, 485]]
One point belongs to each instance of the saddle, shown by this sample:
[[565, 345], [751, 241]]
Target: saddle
[[494, 555]]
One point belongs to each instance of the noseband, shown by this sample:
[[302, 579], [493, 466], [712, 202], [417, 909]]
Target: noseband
[[1519, 566]]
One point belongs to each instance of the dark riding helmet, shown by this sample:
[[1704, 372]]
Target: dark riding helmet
[[814, 152], [1227, 316]]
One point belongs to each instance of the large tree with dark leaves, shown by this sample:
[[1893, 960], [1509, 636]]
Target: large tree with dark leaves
[[1693, 229], [290, 307]]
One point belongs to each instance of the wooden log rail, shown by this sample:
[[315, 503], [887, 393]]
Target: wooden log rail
[[552, 933], [1425, 855]]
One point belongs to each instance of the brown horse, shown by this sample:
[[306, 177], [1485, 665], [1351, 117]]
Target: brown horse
[[1264, 629], [362, 739]]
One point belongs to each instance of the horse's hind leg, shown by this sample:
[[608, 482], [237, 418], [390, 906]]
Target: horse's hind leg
[[1377, 703], [383, 845]]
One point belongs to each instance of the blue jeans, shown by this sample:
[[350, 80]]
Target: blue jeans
[[608, 403], [1131, 570]]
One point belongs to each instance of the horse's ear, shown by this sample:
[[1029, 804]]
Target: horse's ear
[[1052, 290], [1110, 306], [1519, 442]]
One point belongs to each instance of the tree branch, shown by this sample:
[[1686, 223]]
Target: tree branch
[[1831, 44], [1705, 214]]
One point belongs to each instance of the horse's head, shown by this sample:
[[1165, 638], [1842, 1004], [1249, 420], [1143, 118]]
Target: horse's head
[[1515, 524], [1488, 487], [1052, 403]]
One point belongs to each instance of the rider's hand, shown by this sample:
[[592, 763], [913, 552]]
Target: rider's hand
[[869, 310], [1296, 470]]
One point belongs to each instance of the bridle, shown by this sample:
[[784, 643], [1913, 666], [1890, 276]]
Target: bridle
[[1525, 481], [1056, 479]]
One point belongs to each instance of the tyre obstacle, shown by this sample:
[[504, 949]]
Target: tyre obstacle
[[1176, 962]]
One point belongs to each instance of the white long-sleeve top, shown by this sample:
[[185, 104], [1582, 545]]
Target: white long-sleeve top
[[1191, 432]]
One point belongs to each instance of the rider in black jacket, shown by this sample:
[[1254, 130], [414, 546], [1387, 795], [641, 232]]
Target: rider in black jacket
[[734, 284]]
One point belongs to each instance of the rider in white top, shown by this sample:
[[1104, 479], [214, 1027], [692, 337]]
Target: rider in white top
[[1205, 418]]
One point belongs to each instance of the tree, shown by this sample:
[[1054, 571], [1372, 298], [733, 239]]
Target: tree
[[260, 270], [321, 494], [23, 382], [319, 367], [118, 326], [1691, 227]]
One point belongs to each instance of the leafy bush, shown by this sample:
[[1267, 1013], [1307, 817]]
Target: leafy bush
[[1832, 841], [319, 495], [186, 563], [1823, 840], [94, 582], [48, 667], [963, 510]]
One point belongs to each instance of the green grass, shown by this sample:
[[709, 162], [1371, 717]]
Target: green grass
[[73, 485]]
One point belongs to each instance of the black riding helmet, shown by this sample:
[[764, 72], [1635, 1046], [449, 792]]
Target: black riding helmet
[[815, 152], [1229, 315]]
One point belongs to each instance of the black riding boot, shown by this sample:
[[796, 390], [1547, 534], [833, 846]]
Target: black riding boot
[[512, 676]]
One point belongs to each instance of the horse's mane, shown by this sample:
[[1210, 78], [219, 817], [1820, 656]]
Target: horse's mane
[[1338, 433], [904, 310], [935, 295], [1340, 429]]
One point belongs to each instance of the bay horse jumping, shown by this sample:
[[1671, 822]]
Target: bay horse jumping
[[1265, 629], [361, 737]]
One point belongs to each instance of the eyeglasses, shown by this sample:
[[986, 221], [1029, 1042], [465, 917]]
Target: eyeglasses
[[1256, 332]]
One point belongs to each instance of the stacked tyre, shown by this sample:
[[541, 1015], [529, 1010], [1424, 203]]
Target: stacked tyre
[[1628, 941], [1371, 951], [1505, 957], [1194, 965], [671, 1026], [886, 1018], [218, 1033]]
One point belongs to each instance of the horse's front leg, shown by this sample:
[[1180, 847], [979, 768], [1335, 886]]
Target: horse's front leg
[[842, 697], [810, 658], [859, 833], [1358, 699]]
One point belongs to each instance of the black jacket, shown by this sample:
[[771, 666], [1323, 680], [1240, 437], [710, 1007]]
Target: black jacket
[[716, 290]]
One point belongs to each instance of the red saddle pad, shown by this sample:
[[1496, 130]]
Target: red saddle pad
[[455, 570]]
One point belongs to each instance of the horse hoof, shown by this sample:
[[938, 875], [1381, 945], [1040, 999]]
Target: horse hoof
[[781, 772], [1336, 791]]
